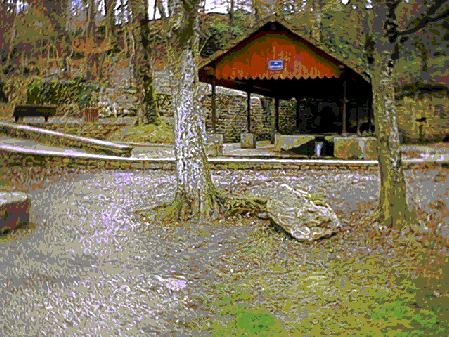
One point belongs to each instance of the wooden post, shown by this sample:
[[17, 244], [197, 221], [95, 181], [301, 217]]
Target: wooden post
[[297, 114], [357, 119], [343, 110], [272, 118], [276, 114], [214, 108], [370, 108], [248, 112]]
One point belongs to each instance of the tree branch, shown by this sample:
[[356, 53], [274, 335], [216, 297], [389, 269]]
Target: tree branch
[[429, 17]]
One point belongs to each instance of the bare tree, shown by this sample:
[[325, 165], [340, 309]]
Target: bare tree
[[159, 6], [387, 40], [109, 7], [317, 13], [148, 112], [8, 14], [90, 39], [195, 193], [255, 4], [231, 12]]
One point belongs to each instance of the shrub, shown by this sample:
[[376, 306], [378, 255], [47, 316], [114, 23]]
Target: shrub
[[76, 91]]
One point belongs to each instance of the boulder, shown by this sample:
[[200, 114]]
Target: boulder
[[301, 215], [14, 210]]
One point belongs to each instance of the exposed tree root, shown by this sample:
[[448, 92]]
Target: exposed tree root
[[219, 204], [245, 205]]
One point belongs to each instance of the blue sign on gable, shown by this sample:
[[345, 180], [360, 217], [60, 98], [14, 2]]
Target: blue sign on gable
[[275, 64]]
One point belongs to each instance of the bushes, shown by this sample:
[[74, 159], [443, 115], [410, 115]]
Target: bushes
[[77, 91]]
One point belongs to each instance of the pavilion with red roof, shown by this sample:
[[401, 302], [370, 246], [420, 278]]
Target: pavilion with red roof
[[278, 62]]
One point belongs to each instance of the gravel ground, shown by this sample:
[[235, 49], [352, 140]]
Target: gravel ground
[[89, 267]]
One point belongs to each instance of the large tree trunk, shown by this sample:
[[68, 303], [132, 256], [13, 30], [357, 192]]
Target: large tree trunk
[[12, 39], [231, 12], [111, 35], [160, 7], [7, 17], [147, 112], [317, 28], [393, 203], [393, 192], [90, 40], [195, 192], [256, 9]]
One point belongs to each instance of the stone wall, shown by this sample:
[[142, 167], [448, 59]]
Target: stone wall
[[231, 115], [231, 109], [287, 117], [434, 107]]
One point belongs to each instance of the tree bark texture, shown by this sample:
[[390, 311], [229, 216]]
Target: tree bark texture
[[231, 12], [195, 190], [12, 36], [90, 40], [393, 197], [317, 28], [147, 111], [110, 22]]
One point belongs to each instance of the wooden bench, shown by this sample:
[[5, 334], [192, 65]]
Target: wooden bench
[[33, 110]]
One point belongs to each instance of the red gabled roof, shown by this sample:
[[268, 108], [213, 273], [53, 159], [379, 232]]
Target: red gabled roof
[[248, 58]]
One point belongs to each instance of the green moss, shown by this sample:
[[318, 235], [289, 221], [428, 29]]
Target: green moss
[[249, 322], [76, 91], [160, 133]]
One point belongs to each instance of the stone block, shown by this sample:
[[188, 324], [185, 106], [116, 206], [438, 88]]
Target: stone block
[[215, 144], [355, 148], [14, 210], [289, 142], [247, 140], [370, 150]]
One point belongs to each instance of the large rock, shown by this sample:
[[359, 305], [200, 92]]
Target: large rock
[[302, 216], [14, 210]]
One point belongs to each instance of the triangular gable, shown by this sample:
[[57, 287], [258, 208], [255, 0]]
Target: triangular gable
[[299, 58]]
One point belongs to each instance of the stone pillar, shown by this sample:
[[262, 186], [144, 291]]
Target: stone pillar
[[247, 141], [370, 109], [215, 144]]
